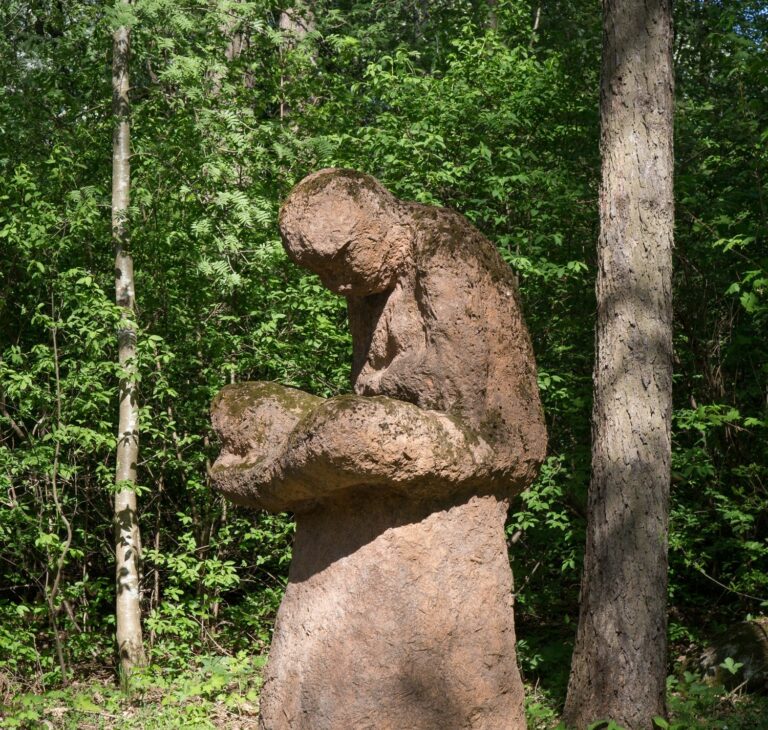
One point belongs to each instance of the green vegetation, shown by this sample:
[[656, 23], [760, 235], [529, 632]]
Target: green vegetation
[[216, 692], [445, 105]]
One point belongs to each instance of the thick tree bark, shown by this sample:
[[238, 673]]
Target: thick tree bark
[[619, 662], [127, 538]]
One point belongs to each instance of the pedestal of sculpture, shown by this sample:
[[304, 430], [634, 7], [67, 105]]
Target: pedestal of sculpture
[[398, 611], [397, 617]]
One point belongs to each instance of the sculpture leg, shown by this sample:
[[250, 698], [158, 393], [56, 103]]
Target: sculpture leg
[[396, 616]]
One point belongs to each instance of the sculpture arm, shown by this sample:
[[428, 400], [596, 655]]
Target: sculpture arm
[[383, 443], [254, 422], [282, 448]]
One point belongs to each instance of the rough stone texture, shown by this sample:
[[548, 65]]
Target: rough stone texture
[[398, 611], [344, 443], [747, 644], [400, 617], [433, 309]]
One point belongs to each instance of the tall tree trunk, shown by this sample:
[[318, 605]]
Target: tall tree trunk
[[294, 23], [492, 18], [239, 42], [127, 539], [619, 662]]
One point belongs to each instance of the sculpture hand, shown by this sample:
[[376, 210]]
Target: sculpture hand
[[282, 448]]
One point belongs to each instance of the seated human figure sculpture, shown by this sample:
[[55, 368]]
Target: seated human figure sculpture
[[398, 610]]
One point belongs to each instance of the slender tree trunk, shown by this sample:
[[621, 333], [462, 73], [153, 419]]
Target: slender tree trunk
[[619, 662], [535, 28], [54, 588], [127, 539]]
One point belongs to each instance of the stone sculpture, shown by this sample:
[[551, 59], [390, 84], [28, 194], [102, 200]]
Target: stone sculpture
[[398, 610]]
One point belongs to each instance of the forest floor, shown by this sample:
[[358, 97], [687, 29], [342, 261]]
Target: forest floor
[[219, 692], [223, 692]]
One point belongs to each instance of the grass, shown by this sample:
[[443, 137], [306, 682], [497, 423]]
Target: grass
[[693, 705]]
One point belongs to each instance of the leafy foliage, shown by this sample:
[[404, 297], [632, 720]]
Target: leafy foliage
[[215, 692], [461, 104]]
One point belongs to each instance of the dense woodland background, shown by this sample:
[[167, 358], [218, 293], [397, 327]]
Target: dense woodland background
[[490, 108]]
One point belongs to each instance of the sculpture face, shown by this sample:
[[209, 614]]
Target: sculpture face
[[344, 234]]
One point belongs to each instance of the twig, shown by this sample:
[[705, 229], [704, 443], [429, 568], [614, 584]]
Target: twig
[[727, 588], [527, 579]]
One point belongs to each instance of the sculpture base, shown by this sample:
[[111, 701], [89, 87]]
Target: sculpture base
[[396, 615]]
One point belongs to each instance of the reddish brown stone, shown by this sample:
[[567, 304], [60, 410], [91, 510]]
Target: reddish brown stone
[[398, 615], [398, 611]]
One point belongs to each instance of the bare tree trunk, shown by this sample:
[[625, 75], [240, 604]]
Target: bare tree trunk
[[54, 589], [535, 28], [492, 18], [294, 25], [619, 662], [239, 42], [127, 539], [297, 22]]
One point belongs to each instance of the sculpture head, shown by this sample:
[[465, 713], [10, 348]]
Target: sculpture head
[[348, 229]]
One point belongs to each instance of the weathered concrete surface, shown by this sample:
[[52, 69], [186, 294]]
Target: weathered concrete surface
[[398, 611], [284, 449], [396, 616]]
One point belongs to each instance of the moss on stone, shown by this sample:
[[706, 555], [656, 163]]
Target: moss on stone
[[239, 397], [353, 181]]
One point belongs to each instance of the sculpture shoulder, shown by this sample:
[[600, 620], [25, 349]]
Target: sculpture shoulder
[[458, 270], [447, 245], [479, 352]]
